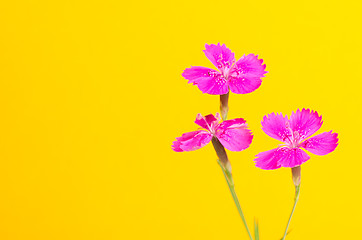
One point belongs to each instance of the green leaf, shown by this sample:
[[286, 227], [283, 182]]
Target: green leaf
[[256, 229]]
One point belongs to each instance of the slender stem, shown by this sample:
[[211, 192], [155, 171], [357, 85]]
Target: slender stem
[[297, 191], [230, 182], [224, 163]]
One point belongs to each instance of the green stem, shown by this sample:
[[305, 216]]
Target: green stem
[[296, 198], [230, 182]]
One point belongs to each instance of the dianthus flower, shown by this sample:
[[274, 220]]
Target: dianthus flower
[[242, 76], [230, 134], [294, 133], [233, 134]]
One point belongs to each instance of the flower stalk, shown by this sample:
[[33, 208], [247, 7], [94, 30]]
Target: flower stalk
[[221, 154], [225, 165], [224, 105], [296, 176]]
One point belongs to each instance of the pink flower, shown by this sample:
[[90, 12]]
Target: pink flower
[[243, 76], [233, 134], [294, 133]]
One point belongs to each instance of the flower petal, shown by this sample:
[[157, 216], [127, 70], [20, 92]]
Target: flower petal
[[277, 127], [244, 84], [208, 80], [267, 160], [250, 64], [321, 144], [281, 157], [191, 141], [305, 122], [292, 157], [220, 56], [234, 134], [245, 77], [207, 122]]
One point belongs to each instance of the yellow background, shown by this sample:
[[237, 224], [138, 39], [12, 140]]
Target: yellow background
[[92, 97]]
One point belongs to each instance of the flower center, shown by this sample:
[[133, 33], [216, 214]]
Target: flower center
[[293, 137], [224, 66]]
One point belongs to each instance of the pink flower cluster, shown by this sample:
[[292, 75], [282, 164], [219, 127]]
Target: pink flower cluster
[[244, 76], [240, 77]]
